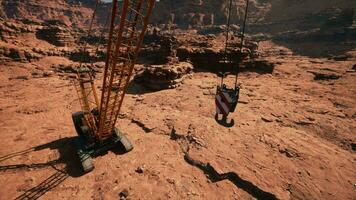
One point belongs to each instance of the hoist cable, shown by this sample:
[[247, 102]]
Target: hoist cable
[[89, 32], [101, 35], [242, 40], [228, 29]]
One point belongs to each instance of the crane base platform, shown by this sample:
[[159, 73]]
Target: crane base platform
[[88, 147]]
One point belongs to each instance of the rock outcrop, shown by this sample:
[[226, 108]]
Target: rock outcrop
[[11, 29], [18, 54], [56, 33], [203, 51], [167, 76], [71, 12]]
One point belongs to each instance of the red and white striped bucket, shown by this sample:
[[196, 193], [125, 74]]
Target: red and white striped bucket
[[223, 103]]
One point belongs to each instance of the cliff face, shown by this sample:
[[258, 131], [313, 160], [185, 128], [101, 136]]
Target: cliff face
[[75, 13], [276, 19], [279, 14], [274, 15], [205, 12], [308, 14]]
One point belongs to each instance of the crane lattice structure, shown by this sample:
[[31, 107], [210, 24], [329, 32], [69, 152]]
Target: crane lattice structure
[[95, 124]]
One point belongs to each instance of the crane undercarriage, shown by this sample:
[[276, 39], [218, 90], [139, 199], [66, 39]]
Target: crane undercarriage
[[88, 147]]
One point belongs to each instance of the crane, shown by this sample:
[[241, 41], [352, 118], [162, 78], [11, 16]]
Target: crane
[[95, 123]]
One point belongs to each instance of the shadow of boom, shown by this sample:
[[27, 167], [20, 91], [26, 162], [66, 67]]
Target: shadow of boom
[[51, 182]]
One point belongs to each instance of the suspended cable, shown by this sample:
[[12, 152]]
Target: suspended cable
[[228, 29], [101, 35], [89, 32], [242, 40], [226, 99]]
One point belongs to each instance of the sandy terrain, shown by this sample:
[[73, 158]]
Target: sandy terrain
[[294, 137], [294, 134]]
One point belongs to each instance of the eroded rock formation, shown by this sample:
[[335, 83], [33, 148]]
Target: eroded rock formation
[[56, 33], [166, 76]]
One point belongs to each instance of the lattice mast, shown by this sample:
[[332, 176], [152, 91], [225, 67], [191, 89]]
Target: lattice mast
[[84, 84], [126, 35]]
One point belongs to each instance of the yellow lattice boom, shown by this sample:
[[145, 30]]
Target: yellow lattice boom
[[126, 35]]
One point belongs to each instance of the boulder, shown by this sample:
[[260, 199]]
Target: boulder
[[325, 75], [17, 55], [168, 76]]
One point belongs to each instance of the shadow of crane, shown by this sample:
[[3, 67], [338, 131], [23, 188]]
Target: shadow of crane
[[67, 165], [51, 182]]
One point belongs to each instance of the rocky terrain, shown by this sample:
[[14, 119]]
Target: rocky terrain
[[294, 132], [297, 24]]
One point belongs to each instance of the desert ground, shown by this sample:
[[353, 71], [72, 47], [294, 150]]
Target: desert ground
[[293, 138], [294, 135]]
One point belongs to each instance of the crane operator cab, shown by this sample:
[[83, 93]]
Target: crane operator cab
[[226, 100]]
